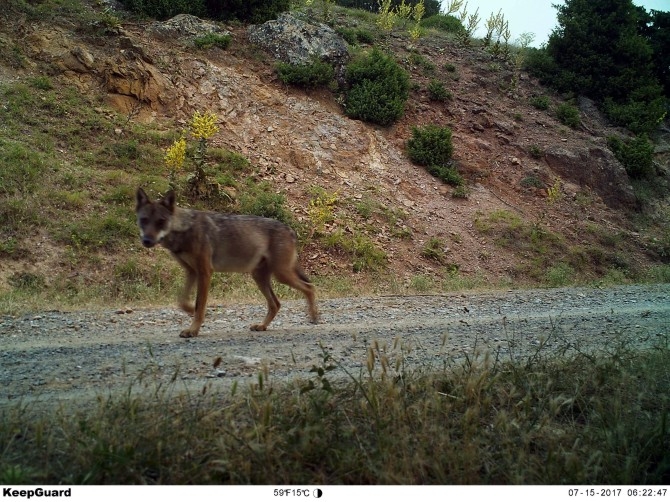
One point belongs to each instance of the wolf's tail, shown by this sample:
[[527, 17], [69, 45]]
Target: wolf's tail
[[301, 274]]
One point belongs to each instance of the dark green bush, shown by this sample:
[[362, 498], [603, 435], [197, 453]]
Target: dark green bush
[[448, 174], [252, 11], [355, 36], [568, 115], [165, 9], [365, 36], [430, 146], [443, 22], [639, 116], [540, 102], [636, 155], [611, 52], [437, 91], [211, 40], [259, 199], [348, 34], [379, 88], [310, 75]]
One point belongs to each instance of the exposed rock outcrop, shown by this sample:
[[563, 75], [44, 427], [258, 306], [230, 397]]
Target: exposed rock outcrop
[[185, 26], [596, 168], [294, 41]]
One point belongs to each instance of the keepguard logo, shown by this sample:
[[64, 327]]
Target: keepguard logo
[[36, 492]]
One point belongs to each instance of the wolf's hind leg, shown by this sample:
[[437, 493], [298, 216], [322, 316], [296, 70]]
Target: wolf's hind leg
[[263, 277], [297, 279]]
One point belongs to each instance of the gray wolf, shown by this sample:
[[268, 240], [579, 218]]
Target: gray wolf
[[205, 242]]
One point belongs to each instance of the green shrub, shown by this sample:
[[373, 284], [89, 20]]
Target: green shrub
[[430, 145], [560, 274], [363, 251], [212, 39], [437, 91], [568, 115], [540, 102], [540, 64], [355, 36], [532, 182], [365, 36], [260, 200], [434, 250], [636, 155], [609, 59], [348, 34], [253, 11], [165, 9], [442, 22], [461, 191], [448, 174], [639, 116], [379, 88], [310, 75]]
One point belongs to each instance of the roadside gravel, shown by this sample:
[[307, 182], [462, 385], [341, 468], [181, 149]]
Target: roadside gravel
[[56, 357]]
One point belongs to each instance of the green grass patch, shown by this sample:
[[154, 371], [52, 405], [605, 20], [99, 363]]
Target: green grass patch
[[213, 40], [365, 255]]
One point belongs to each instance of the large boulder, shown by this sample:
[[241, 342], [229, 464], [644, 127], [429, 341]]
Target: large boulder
[[597, 168], [185, 26], [297, 42]]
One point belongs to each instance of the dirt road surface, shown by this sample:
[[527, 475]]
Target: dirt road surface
[[62, 357]]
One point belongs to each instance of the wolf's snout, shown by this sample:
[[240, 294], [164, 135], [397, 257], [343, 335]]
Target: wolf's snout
[[148, 242]]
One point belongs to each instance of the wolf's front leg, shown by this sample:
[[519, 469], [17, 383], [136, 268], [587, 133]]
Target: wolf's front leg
[[203, 279], [185, 297]]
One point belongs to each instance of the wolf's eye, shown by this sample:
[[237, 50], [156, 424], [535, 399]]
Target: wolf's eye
[[160, 223], [144, 221]]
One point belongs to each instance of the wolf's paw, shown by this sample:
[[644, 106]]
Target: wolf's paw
[[188, 333], [258, 327]]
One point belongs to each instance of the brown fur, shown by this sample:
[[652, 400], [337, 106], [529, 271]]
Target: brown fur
[[206, 242]]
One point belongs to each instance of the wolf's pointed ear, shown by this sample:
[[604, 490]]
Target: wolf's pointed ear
[[169, 201], [141, 199]]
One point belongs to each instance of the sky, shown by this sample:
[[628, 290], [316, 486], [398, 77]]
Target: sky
[[534, 16]]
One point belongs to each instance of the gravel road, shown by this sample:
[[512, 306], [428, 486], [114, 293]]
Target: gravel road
[[55, 357]]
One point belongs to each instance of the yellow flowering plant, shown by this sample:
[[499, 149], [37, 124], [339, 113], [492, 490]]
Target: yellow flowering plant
[[554, 192], [320, 210], [201, 127], [175, 155]]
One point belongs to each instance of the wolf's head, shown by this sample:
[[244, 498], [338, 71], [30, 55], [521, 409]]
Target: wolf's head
[[154, 218]]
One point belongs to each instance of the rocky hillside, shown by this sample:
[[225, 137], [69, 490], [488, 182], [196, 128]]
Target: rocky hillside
[[545, 203]]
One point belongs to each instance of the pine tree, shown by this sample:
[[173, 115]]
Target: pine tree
[[600, 53]]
